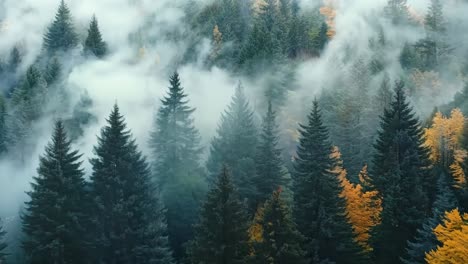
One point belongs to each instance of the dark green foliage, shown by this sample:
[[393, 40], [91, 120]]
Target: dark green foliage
[[408, 57], [462, 192], [60, 35], [129, 217], [81, 117], [425, 239], [319, 210], [236, 146], [53, 71], [221, 235], [322, 38], [281, 242], [400, 173], [94, 43], [15, 59], [175, 145], [270, 169], [54, 222], [3, 244]]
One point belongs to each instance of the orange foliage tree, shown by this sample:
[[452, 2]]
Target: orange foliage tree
[[453, 236]]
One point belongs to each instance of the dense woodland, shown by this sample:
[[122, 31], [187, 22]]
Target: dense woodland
[[373, 169]]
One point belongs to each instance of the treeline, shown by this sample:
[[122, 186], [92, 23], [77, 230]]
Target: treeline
[[409, 207]]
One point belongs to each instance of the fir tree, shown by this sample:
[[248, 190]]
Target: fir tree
[[236, 145], [129, 217], [269, 165], [3, 244], [425, 240], [94, 43], [53, 71], [221, 235], [397, 11], [60, 35], [401, 176], [54, 219], [278, 241], [175, 144], [15, 59], [319, 209]]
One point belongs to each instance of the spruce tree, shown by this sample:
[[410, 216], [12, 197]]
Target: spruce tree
[[3, 244], [221, 235], [401, 176], [130, 224], [319, 209], [94, 43], [425, 239], [270, 170], [53, 71], [279, 242], [397, 11], [54, 222], [175, 145], [15, 59], [236, 145], [61, 35]]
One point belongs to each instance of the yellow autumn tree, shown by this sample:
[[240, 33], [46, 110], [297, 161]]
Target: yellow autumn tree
[[329, 12], [453, 235], [362, 206]]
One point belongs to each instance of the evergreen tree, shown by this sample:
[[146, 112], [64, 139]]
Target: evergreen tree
[[54, 221], [425, 240], [278, 241], [53, 71], [401, 176], [15, 59], [221, 235], [319, 209], [61, 35], [236, 145], [129, 217], [397, 11], [3, 126], [269, 165], [175, 144], [94, 43], [3, 244]]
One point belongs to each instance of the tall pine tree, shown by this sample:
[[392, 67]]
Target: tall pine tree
[[401, 175], [270, 170], [221, 235], [236, 145], [94, 43], [278, 241], [54, 222], [319, 210], [175, 145], [129, 216], [61, 35]]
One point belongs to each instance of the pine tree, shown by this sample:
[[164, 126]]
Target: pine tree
[[400, 174], [221, 235], [129, 217], [236, 146], [3, 244], [94, 43], [397, 11], [425, 240], [278, 241], [54, 221], [319, 209], [53, 71], [270, 169], [61, 35], [175, 145], [3, 126]]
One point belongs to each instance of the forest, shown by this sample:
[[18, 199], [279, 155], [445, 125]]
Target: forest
[[234, 131]]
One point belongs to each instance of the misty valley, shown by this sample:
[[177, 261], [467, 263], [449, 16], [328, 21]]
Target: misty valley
[[233, 131]]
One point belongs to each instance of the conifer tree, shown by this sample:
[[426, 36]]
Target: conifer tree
[[3, 126], [235, 145], [278, 241], [54, 222], [397, 11], [270, 170], [61, 35], [400, 174], [3, 244], [94, 43], [221, 235], [129, 216], [319, 209], [53, 71], [425, 240], [175, 145], [15, 59]]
